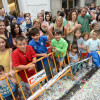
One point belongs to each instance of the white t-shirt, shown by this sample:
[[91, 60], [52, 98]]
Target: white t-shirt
[[93, 44]]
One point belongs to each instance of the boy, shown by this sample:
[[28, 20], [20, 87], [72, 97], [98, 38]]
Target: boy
[[4, 89], [60, 45], [93, 43], [94, 27], [38, 44], [23, 55]]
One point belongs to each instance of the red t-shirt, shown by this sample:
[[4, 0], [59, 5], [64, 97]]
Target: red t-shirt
[[20, 58]]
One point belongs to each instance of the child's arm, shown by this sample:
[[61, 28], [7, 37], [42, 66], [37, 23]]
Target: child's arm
[[42, 55], [82, 46], [50, 36], [13, 79], [71, 59], [32, 65], [21, 67], [78, 58], [64, 49], [88, 49], [10, 55]]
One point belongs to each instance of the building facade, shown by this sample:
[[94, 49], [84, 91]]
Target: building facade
[[35, 6]]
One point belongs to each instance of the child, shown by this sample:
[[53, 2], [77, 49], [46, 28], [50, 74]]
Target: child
[[38, 44], [4, 89], [5, 55], [84, 52], [77, 39], [60, 45], [94, 28], [74, 57], [23, 55], [93, 43]]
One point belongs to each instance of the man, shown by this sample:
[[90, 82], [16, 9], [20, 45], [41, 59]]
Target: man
[[84, 20], [20, 19]]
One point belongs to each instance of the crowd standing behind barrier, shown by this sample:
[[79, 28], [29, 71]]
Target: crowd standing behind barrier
[[30, 65]]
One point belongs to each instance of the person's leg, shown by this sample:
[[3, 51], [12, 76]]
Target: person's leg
[[47, 68]]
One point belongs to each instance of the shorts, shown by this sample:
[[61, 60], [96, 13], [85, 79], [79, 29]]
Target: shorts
[[61, 59], [10, 97], [84, 54]]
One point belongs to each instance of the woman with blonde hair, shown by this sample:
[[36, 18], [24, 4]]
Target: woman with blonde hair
[[59, 25]]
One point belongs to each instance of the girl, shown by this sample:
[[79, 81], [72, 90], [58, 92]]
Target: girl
[[77, 39], [16, 31], [74, 57], [59, 25], [5, 55], [4, 33], [84, 52], [4, 89]]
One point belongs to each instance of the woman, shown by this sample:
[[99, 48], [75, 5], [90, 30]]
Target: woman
[[4, 33], [59, 25], [27, 24], [48, 19], [72, 25], [16, 31]]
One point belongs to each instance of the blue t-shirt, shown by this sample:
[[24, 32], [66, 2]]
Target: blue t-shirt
[[4, 89], [39, 48]]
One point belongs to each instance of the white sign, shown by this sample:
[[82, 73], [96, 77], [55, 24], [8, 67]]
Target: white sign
[[47, 85], [35, 78]]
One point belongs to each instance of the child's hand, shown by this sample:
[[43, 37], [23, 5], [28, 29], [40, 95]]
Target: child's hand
[[75, 61], [88, 51], [6, 74], [55, 50], [53, 47], [45, 55], [31, 67], [12, 72]]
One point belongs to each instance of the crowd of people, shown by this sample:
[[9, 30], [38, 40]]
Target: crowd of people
[[23, 41]]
